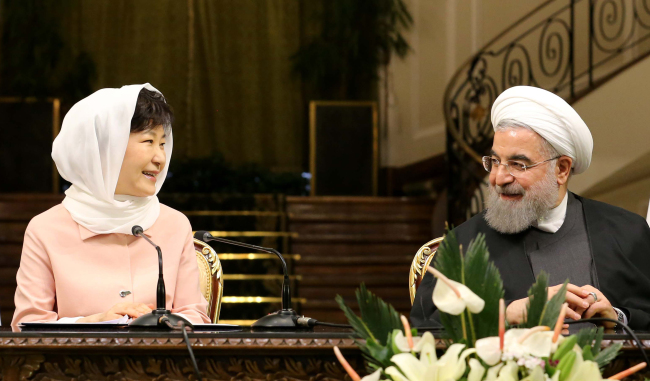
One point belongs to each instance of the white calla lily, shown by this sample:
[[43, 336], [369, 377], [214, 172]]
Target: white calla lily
[[446, 299], [538, 344], [509, 372], [374, 376], [395, 374], [476, 370], [488, 350], [493, 372], [428, 354], [451, 366], [418, 342], [412, 368]]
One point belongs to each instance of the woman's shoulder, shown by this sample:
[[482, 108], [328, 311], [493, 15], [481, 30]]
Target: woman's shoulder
[[57, 215], [173, 217], [53, 224]]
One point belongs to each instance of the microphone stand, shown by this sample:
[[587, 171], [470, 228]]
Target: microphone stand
[[286, 317], [161, 315]]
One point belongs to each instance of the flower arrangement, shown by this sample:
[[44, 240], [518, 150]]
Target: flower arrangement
[[469, 297]]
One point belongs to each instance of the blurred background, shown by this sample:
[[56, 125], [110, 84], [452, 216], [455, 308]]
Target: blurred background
[[344, 133]]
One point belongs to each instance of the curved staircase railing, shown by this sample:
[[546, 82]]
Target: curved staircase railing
[[569, 47]]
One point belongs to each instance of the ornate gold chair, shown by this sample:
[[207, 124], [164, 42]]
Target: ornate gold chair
[[421, 261], [211, 277]]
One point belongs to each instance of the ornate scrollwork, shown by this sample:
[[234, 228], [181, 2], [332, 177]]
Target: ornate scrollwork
[[172, 368], [545, 49], [19, 367], [215, 264], [421, 260]]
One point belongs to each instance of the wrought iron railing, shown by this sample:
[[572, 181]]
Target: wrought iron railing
[[568, 47]]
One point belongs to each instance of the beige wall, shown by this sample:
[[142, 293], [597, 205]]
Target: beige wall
[[445, 34], [618, 115]]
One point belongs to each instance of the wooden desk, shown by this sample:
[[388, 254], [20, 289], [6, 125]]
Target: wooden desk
[[164, 356], [144, 356]]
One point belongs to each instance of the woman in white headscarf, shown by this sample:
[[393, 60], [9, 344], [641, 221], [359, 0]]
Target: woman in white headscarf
[[80, 262]]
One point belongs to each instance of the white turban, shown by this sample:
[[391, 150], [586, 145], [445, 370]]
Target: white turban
[[89, 151], [549, 116]]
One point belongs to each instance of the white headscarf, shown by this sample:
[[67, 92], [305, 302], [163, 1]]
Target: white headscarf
[[551, 117], [89, 151]]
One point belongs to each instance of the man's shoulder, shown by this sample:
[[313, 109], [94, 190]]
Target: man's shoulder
[[606, 213], [474, 224], [469, 229]]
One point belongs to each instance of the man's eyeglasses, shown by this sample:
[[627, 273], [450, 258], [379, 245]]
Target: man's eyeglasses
[[514, 168]]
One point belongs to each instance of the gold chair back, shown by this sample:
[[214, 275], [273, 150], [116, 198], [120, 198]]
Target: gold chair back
[[210, 277], [421, 261]]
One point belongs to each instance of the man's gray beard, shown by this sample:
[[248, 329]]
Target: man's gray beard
[[511, 217]]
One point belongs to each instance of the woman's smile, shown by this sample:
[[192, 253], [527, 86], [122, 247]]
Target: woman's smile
[[150, 175]]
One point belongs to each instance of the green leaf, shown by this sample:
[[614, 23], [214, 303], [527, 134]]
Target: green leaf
[[550, 370], [586, 336], [586, 353], [542, 311], [536, 301], [595, 349], [377, 322], [453, 327], [477, 272], [379, 353], [380, 317], [607, 355], [592, 337], [357, 324], [554, 306], [448, 260], [483, 278]]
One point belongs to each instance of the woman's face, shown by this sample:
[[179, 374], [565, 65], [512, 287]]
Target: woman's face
[[143, 161]]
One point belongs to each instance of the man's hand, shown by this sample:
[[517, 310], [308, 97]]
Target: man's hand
[[600, 308], [134, 310], [576, 297]]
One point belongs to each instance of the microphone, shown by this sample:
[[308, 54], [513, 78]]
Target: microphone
[[286, 317], [161, 315]]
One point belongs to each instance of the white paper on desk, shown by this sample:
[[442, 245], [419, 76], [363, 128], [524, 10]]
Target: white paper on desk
[[126, 319]]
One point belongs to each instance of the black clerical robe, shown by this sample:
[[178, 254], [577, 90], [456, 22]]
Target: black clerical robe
[[619, 241]]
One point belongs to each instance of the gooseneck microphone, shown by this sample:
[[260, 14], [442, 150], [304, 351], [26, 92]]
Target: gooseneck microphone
[[286, 317], [160, 291], [161, 315]]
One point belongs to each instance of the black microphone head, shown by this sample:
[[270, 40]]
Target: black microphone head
[[137, 230], [202, 235]]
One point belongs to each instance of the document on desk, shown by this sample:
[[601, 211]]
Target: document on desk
[[117, 324], [216, 327], [126, 319]]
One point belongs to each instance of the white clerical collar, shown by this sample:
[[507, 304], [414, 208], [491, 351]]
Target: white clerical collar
[[554, 219]]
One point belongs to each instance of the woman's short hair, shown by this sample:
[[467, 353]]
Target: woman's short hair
[[151, 110]]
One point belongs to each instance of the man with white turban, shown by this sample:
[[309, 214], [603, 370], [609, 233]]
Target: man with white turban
[[533, 223]]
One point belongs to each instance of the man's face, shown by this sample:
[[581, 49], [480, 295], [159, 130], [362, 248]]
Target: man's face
[[519, 145], [515, 203]]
